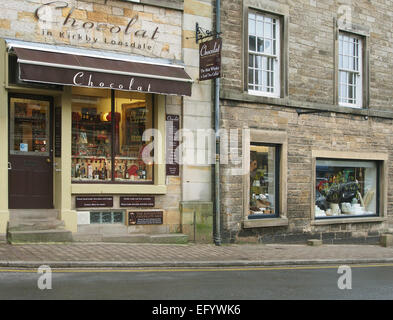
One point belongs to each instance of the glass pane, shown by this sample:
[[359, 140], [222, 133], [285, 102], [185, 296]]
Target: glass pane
[[250, 60], [251, 43], [262, 181], [91, 135], [265, 78], [106, 217], [346, 188], [251, 76], [259, 30], [260, 45], [346, 46], [268, 30], [258, 60], [268, 47], [95, 217], [133, 162], [29, 127], [251, 26], [118, 217], [265, 63]]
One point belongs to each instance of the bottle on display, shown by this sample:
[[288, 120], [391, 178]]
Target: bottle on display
[[89, 171], [103, 171], [96, 172], [77, 169], [83, 171], [73, 169], [126, 170]]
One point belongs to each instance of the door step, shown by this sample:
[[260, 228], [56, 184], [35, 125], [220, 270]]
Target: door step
[[36, 224], [22, 214], [36, 236], [172, 238]]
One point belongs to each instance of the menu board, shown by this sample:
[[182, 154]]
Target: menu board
[[172, 154], [58, 132]]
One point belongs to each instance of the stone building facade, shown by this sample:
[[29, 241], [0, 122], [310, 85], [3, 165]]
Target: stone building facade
[[311, 128], [155, 34]]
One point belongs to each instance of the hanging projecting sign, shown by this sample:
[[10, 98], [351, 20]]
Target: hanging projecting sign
[[210, 59]]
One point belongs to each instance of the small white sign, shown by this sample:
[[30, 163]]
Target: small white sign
[[83, 217]]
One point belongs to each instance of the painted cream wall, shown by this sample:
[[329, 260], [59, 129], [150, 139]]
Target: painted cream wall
[[17, 22], [68, 215], [197, 109], [4, 213]]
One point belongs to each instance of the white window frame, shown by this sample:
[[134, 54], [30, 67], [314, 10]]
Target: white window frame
[[277, 58], [358, 73]]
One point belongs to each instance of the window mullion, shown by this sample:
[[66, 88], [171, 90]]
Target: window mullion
[[113, 123]]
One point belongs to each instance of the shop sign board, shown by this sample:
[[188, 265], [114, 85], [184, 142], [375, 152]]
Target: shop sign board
[[210, 59], [172, 151], [145, 217], [93, 202], [137, 201]]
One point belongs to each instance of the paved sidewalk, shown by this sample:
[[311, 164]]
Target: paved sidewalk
[[191, 255]]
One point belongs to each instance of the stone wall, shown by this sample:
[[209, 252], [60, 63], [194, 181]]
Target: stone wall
[[311, 46], [324, 131], [310, 26]]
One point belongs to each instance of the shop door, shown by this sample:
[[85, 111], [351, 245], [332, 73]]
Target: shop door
[[30, 164]]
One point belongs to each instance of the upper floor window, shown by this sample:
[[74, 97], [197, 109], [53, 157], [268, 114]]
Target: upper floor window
[[263, 54], [350, 70]]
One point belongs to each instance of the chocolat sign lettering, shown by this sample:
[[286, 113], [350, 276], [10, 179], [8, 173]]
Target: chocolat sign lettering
[[43, 13], [86, 79], [61, 20]]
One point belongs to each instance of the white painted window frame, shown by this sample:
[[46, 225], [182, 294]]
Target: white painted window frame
[[277, 59], [359, 73]]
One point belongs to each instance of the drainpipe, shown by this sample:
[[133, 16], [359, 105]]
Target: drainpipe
[[217, 237]]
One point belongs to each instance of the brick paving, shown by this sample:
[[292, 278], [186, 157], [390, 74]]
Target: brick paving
[[144, 253]]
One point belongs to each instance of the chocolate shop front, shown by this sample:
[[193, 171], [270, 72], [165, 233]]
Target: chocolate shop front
[[84, 110]]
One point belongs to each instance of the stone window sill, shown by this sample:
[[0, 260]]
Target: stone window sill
[[263, 223], [322, 222]]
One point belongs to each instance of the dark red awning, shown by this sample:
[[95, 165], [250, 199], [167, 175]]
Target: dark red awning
[[94, 72]]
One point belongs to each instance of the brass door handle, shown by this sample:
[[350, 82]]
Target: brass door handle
[[48, 160]]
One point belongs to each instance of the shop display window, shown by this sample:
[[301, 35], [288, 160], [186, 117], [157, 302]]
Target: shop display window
[[107, 130], [264, 177], [346, 188], [135, 116]]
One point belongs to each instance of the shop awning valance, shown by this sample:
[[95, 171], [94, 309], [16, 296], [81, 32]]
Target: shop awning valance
[[76, 69]]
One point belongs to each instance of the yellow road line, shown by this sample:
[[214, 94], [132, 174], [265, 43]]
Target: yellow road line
[[207, 269]]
